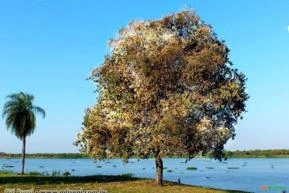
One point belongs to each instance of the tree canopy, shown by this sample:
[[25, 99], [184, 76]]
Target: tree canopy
[[167, 88], [20, 114]]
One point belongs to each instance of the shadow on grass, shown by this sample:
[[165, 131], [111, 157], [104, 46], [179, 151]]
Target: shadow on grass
[[227, 191], [39, 180], [44, 180]]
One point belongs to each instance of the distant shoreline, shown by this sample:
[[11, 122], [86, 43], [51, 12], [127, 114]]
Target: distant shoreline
[[46, 155], [271, 153]]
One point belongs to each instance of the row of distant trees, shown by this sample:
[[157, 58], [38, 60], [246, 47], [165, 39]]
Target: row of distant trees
[[228, 154], [46, 155], [258, 153]]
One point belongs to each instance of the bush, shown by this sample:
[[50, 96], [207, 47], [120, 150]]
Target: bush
[[7, 172], [192, 168], [35, 173], [129, 175], [233, 168], [66, 173], [56, 173]]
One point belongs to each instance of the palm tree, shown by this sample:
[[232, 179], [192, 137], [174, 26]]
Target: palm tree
[[20, 117]]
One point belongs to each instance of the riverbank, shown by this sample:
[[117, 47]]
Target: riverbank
[[269, 153], [112, 184]]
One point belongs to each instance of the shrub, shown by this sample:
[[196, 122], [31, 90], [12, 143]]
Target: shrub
[[66, 173], [35, 173], [56, 173], [192, 168], [233, 168]]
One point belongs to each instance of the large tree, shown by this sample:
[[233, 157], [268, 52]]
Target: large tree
[[20, 117], [167, 88]]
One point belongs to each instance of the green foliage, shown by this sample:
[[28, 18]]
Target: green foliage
[[233, 168], [270, 153], [275, 153], [20, 114], [127, 175], [35, 173], [47, 155], [66, 173], [55, 173], [192, 168], [6, 172]]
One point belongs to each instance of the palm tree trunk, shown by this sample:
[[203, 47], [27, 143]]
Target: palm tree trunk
[[23, 154], [159, 170]]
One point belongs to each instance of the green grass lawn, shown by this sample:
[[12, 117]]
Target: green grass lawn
[[112, 184]]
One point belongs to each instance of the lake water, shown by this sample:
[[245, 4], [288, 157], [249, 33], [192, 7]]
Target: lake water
[[254, 175]]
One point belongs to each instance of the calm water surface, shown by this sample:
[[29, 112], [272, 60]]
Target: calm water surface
[[238, 174]]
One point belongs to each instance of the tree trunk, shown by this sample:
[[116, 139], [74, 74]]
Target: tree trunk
[[23, 154], [159, 171]]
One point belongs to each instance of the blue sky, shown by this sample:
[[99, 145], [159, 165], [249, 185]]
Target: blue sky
[[49, 47]]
